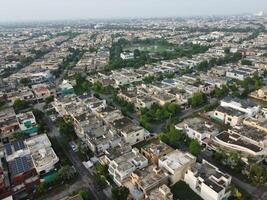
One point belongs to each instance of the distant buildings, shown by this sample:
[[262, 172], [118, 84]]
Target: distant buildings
[[8, 122], [127, 55]]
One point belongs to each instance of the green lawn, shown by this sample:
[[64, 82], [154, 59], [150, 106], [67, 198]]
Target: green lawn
[[182, 191]]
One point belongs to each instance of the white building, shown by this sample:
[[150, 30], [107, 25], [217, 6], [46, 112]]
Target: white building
[[245, 106], [43, 156], [121, 168], [197, 128], [127, 55], [27, 123], [131, 132], [208, 181], [176, 163]]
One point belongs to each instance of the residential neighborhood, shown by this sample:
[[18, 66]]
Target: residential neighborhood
[[134, 109]]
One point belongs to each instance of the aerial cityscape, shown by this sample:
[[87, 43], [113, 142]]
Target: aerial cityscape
[[133, 100]]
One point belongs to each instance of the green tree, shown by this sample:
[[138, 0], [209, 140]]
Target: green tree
[[257, 174], [102, 169], [173, 108], [194, 147], [49, 99], [66, 173], [20, 104], [199, 99], [66, 128], [246, 62], [25, 81], [84, 194], [120, 193]]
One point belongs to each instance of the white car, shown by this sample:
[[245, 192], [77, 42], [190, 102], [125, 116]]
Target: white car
[[73, 146]]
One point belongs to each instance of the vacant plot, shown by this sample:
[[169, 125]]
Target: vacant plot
[[182, 191]]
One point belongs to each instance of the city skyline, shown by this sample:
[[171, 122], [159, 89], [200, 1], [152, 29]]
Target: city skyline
[[40, 10]]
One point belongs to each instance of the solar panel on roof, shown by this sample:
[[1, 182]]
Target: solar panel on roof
[[20, 165], [18, 145], [8, 149]]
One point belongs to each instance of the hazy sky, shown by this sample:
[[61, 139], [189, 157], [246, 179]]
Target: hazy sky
[[13, 10]]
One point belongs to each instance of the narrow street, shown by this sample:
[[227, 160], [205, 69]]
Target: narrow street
[[86, 177]]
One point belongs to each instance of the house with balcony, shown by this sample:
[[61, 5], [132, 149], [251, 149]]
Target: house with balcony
[[208, 181], [122, 167], [176, 163]]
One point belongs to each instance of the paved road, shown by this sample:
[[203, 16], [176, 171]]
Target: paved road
[[86, 176]]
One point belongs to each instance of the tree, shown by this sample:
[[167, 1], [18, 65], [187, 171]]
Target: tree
[[120, 193], [25, 81], [149, 79], [174, 136], [84, 194], [2, 103], [66, 128], [137, 53], [49, 99], [257, 174], [220, 92], [102, 169], [66, 173], [20, 104], [246, 62], [173, 108], [194, 147], [199, 99]]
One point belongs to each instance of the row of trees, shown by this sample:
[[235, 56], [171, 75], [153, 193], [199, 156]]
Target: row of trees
[[228, 58], [70, 61]]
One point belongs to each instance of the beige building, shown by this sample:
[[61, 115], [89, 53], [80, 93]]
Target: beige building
[[161, 193], [149, 178], [260, 94], [176, 163], [155, 150]]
